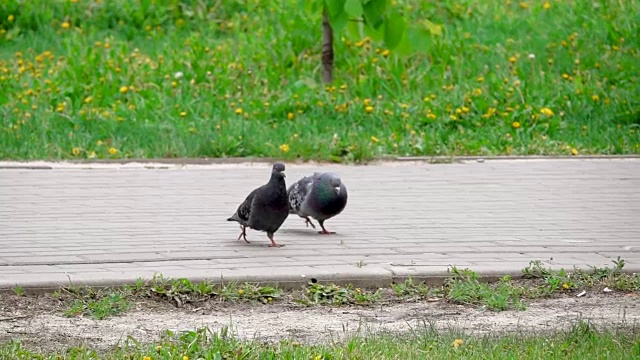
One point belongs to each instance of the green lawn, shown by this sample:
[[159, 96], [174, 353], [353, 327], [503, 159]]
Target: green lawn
[[168, 78], [581, 343]]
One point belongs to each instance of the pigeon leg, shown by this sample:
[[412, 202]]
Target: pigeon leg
[[324, 231], [243, 234], [273, 243], [309, 222]]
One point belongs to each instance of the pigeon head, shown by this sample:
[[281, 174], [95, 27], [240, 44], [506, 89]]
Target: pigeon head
[[328, 181], [278, 169]]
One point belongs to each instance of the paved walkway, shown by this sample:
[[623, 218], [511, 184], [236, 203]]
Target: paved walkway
[[115, 223]]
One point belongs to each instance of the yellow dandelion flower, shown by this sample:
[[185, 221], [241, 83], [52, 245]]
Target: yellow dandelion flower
[[480, 79], [65, 25], [185, 357], [366, 102], [431, 116], [113, 151], [595, 98], [457, 343], [512, 59], [91, 155], [565, 286], [524, 5], [124, 90], [574, 151], [88, 99], [10, 18], [453, 117], [75, 151], [565, 76], [99, 142], [546, 111], [515, 124], [476, 92], [546, 5], [284, 148], [368, 109], [291, 116], [146, 358], [158, 348], [239, 111], [241, 291], [385, 53], [183, 113], [374, 139]]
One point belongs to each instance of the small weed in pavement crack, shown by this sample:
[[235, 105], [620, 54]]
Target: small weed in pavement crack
[[410, 290], [551, 281], [464, 287], [331, 294], [183, 291], [96, 303]]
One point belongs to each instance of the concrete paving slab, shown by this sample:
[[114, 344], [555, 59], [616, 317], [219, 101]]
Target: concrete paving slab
[[107, 224]]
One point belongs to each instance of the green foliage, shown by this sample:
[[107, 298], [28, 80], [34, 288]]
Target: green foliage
[[99, 305], [147, 79], [464, 287], [182, 291], [562, 280], [409, 290], [379, 18], [331, 294], [582, 341], [18, 290]]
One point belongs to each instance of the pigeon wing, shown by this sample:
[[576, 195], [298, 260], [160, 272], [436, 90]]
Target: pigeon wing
[[244, 210], [298, 193]]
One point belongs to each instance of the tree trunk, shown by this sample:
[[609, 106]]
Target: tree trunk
[[327, 49]]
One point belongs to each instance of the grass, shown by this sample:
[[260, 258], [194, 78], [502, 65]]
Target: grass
[[331, 294], [462, 286], [112, 304], [583, 341], [147, 79]]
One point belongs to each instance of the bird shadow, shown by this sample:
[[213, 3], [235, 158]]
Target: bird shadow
[[304, 232]]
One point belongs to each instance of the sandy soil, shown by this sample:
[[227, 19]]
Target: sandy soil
[[38, 322]]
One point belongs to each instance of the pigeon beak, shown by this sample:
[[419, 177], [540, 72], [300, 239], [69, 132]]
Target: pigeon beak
[[337, 188]]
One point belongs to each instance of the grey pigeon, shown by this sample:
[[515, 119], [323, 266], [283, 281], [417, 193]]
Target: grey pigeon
[[320, 196], [265, 208]]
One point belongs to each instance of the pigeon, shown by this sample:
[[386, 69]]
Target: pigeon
[[320, 196], [265, 208]]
